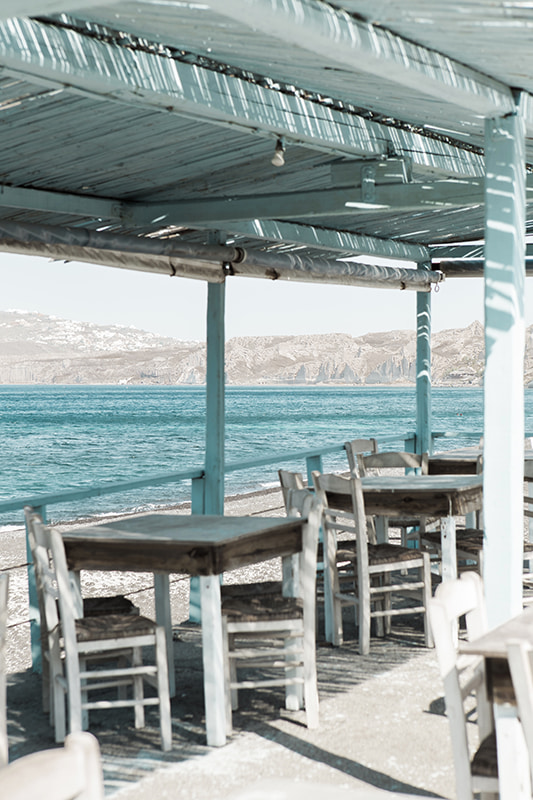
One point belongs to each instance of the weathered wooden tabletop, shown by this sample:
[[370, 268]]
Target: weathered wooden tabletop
[[493, 643], [415, 495], [192, 544]]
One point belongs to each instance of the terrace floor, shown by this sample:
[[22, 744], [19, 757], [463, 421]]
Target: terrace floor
[[382, 715]]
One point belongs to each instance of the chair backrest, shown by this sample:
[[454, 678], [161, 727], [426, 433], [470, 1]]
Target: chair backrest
[[304, 503], [461, 675], [45, 576], [4, 587], [392, 460], [56, 590], [72, 772], [288, 481], [357, 447], [343, 507], [519, 656]]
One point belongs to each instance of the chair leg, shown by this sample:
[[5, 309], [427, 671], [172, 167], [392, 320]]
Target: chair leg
[[229, 670], [163, 688], [294, 693], [426, 576], [138, 689], [310, 686], [364, 620], [84, 698]]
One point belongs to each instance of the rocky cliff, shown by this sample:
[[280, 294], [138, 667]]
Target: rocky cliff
[[35, 348]]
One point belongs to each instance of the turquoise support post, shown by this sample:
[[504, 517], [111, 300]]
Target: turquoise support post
[[503, 461], [197, 507], [214, 446], [423, 370], [313, 464], [213, 495], [35, 616]]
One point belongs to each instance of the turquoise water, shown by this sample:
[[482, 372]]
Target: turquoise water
[[55, 437]]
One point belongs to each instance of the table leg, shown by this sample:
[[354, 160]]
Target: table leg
[[513, 761], [164, 618], [449, 553], [213, 659]]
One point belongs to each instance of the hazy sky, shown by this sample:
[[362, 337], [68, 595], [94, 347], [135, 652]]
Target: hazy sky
[[176, 306]]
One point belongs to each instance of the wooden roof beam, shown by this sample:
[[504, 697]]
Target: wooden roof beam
[[65, 59], [363, 47]]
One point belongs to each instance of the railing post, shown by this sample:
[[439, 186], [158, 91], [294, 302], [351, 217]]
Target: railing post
[[313, 464], [35, 616]]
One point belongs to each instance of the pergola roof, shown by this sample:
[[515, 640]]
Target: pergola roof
[[159, 119]]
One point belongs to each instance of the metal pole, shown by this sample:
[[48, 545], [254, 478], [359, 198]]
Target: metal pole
[[423, 370]]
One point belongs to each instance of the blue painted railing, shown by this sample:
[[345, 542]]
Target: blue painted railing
[[311, 457]]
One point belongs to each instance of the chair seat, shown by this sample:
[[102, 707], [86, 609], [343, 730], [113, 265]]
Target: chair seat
[[389, 553], [485, 761], [116, 604], [470, 539], [258, 607], [111, 626], [247, 590]]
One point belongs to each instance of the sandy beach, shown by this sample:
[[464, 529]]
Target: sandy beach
[[381, 716]]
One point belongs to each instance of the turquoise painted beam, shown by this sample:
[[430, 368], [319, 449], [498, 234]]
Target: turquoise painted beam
[[504, 353], [319, 203], [328, 239]]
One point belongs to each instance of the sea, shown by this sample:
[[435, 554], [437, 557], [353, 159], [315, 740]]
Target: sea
[[55, 438]]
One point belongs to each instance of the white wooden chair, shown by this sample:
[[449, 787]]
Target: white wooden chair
[[519, 655], [4, 588], [89, 606], [378, 463], [275, 631], [357, 447], [367, 579], [77, 643], [72, 772], [463, 675]]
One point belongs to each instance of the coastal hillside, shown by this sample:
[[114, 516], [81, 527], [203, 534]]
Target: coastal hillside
[[39, 349]]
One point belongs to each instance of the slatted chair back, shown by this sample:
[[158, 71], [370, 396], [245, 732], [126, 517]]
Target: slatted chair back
[[519, 655], [365, 580], [111, 642], [4, 591], [72, 772], [462, 676], [289, 480], [376, 463], [358, 447]]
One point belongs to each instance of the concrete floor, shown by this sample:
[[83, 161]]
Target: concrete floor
[[381, 716]]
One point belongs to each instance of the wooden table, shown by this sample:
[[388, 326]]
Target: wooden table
[[513, 760], [204, 546], [444, 496], [463, 461]]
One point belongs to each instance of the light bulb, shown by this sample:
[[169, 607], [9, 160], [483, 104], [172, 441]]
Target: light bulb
[[278, 160]]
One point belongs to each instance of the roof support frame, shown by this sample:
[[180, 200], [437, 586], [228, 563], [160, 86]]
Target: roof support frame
[[298, 205], [204, 262], [65, 59], [327, 238], [33, 8], [318, 27]]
